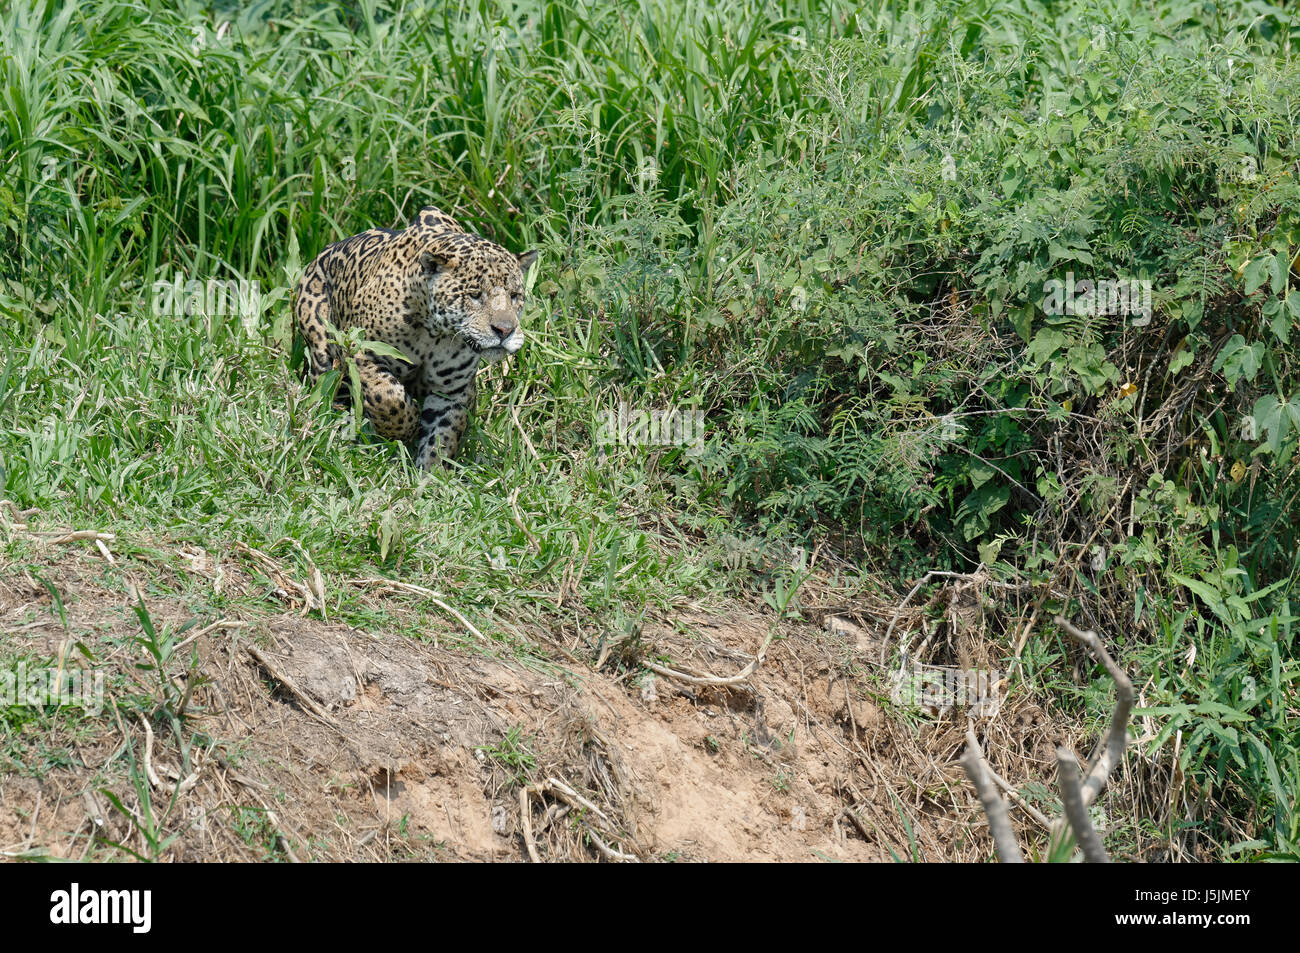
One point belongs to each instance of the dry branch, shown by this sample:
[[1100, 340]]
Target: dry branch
[[1021, 803], [171, 790], [610, 852], [210, 628], [1076, 812], [311, 596], [1111, 748], [1004, 838], [526, 818], [78, 535], [1075, 796], [975, 579]]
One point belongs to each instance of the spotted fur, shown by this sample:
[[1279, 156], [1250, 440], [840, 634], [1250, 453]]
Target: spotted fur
[[447, 300]]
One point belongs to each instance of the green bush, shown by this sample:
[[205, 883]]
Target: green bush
[[902, 368]]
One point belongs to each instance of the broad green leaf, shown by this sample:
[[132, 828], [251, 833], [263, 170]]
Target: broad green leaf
[[1239, 360], [1256, 274]]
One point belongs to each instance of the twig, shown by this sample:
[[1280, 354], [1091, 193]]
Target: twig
[[1021, 803], [315, 582], [562, 790], [434, 597], [978, 578], [36, 814], [857, 822], [242, 779], [277, 575], [518, 519], [1004, 838], [577, 800], [526, 818], [610, 852], [1076, 812], [212, 627], [884, 644], [307, 701], [76, 535], [514, 415], [714, 680], [1111, 748], [19, 515], [175, 790], [280, 836], [1029, 627]]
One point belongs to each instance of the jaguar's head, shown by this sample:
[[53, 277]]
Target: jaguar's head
[[476, 290]]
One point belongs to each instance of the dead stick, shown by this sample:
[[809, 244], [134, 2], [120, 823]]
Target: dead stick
[[610, 852], [175, 790], [562, 790], [526, 817], [434, 597], [219, 624], [857, 822], [81, 534], [1021, 803], [1004, 838], [1076, 812], [1111, 748]]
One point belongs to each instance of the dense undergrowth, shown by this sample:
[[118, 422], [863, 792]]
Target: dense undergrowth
[[858, 239]]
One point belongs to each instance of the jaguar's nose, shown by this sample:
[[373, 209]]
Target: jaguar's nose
[[504, 326]]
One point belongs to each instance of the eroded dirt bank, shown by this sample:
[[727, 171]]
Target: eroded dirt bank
[[306, 739]]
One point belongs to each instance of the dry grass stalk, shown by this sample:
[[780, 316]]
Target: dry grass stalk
[[435, 597]]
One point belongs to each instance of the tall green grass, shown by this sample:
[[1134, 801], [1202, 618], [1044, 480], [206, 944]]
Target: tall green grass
[[146, 143]]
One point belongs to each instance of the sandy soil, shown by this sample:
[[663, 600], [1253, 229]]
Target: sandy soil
[[325, 742]]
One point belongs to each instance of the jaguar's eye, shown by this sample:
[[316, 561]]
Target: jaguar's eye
[[477, 298]]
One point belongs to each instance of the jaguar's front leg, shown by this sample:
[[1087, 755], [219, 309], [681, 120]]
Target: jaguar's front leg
[[443, 419], [389, 406]]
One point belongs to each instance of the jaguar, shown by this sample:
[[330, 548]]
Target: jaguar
[[444, 301]]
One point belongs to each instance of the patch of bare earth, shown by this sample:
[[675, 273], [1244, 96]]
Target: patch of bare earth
[[304, 739]]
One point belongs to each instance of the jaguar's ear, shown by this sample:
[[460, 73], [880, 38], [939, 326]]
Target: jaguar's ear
[[435, 220], [526, 261], [432, 263]]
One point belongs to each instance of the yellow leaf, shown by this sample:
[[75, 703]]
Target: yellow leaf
[[1128, 390], [1238, 472]]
